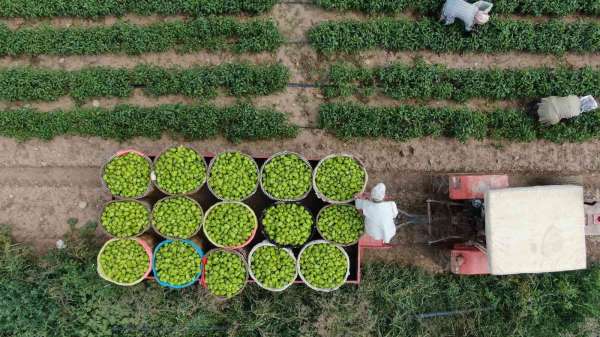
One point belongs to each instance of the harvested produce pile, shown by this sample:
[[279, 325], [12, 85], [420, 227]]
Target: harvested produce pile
[[286, 176], [180, 170], [323, 265], [93, 9], [177, 263], [213, 33], [340, 178], [229, 224], [433, 7], [125, 218], [273, 267], [424, 81], [225, 273], [177, 217], [238, 79], [123, 260], [347, 120], [288, 224], [342, 224], [499, 35], [127, 175], [233, 176], [236, 123]]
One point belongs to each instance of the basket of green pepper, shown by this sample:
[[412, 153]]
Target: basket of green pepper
[[271, 267], [288, 224], [338, 178], [342, 224], [232, 176], [179, 171], [230, 224], [127, 174], [177, 263], [225, 272], [177, 217], [286, 176], [125, 262], [323, 266], [125, 218]]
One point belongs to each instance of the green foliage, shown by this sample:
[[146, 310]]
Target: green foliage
[[233, 176], [124, 260], [342, 224], [95, 8], [180, 170], [177, 263], [287, 176], [60, 294], [127, 176], [340, 178], [229, 224], [434, 7], [125, 218], [225, 273], [236, 123], [424, 81], [288, 224], [213, 33], [499, 35], [177, 217], [273, 267], [323, 265], [243, 79]]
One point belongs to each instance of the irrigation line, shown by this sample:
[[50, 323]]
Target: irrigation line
[[303, 85]]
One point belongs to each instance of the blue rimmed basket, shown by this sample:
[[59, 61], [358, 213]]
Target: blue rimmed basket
[[166, 284]]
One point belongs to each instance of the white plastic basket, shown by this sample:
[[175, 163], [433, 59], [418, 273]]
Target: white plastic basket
[[300, 269], [326, 199], [155, 177], [209, 171], [287, 250]]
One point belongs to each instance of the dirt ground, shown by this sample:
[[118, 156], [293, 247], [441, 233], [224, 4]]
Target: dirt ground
[[44, 184]]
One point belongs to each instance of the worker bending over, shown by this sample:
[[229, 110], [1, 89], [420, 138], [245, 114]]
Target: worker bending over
[[379, 214], [469, 13]]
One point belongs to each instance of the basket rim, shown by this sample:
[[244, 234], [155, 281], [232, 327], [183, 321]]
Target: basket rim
[[120, 154], [278, 154], [209, 171], [149, 254], [155, 175], [244, 261], [331, 201], [268, 237], [329, 243], [198, 227], [198, 250], [269, 244], [144, 230], [220, 203]]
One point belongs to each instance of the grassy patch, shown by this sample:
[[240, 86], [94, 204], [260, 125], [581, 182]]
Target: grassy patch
[[60, 294], [236, 123]]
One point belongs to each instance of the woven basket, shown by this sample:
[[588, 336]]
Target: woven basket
[[155, 179], [146, 242], [319, 230], [238, 253], [326, 199], [198, 227], [210, 165], [146, 205], [323, 289], [122, 153], [282, 153], [312, 232], [287, 250], [247, 242]]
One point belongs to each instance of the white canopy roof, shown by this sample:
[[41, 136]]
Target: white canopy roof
[[535, 229]]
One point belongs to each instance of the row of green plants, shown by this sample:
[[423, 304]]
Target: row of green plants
[[433, 7], [348, 120], [499, 35], [212, 33], [238, 79], [95, 8], [425, 81], [236, 123]]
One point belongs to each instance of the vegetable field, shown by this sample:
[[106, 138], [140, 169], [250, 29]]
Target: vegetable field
[[383, 81]]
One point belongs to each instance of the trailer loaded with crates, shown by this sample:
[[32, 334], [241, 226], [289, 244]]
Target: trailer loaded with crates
[[182, 218]]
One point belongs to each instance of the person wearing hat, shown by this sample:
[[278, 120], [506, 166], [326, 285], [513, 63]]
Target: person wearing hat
[[379, 214], [469, 13]]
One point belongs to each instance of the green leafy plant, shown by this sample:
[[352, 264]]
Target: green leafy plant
[[288, 224], [93, 9], [124, 260], [434, 7], [230, 224], [125, 218], [226, 273], [499, 35], [323, 265], [273, 267], [127, 175], [341, 224], [177, 217], [177, 263], [286, 176], [340, 178], [233, 176], [236, 123], [180, 170], [212, 33]]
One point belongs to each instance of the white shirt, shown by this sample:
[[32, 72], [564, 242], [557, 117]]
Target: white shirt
[[379, 218]]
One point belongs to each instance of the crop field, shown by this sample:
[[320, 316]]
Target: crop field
[[381, 80]]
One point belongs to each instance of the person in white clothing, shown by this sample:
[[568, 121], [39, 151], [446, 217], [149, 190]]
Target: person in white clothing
[[379, 214]]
